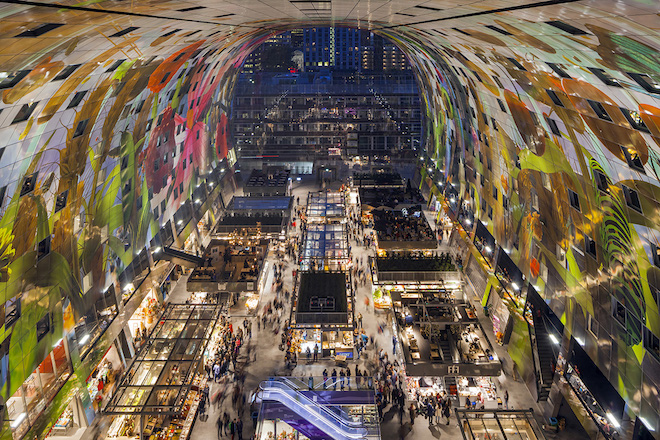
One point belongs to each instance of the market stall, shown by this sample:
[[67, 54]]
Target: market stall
[[323, 314], [326, 207], [159, 395], [325, 246]]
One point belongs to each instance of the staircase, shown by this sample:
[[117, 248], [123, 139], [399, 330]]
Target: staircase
[[180, 257], [445, 348], [545, 355]]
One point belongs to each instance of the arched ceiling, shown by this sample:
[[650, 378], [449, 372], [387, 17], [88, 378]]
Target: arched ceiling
[[540, 112]]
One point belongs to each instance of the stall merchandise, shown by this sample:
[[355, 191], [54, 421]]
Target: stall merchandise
[[64, 424], [472, 386], [424, 387]]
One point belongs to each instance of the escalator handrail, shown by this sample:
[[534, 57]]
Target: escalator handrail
[[341, 413], [344, 428], [343, 420]]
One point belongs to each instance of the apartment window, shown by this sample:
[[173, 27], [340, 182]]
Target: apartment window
[[553, 127], [28, 184], [77, 98], [40, 30], [535, 118], [156, 212], [558, 69], [163, 204], [165, 77], [176, 193], [43, 248], [501, 104], [566, 27], [490, 212], [651, 343], [13, 78], [115, 65], [25, 112], [574, 199], [181, 187], [80, 128], [498, 82], [590, 245], [601, 181], [43, 326], [600, 110], [156, 165], [3, 190], [592, 325], [124, 31], [619, 311], [648, 83], [554, 98], [516, 63], [494, 124], [66, 72], [494, 192], [12, 311], [60, 202], [655, 251], [605, 77], [634, 119], [632, 198], [633, 159]]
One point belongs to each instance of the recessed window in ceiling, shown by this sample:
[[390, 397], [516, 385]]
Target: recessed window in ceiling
[[124, 31], [566, 27], [40, 30]]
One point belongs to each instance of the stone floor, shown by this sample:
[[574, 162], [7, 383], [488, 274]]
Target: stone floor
[[265, 359]]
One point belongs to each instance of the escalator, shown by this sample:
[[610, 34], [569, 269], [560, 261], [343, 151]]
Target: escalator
[[180, 257], [332, 421], [546, 356]]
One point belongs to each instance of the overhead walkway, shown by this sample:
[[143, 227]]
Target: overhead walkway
[[180, 257]]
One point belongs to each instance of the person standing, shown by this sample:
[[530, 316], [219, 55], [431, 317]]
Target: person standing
[[310, 382], [325, 379], [412, 410], [232, 428], [348, 378], [506, 399], [447, 409], [430, 410], [316, 352], [334, 379], [342, 375], [239, 429], [359, 320], [393, 344]]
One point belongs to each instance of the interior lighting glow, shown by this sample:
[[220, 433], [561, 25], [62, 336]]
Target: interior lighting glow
[[488, 249], [554, 339], [83, 340], [613, 419], [18, 420], [515, 286], [580, 341], [647, 424]]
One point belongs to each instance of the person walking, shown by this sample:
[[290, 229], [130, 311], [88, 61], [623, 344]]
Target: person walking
[[348, 378], [413, 412], [225, 423], [310, 382], [316, 352], [393, 344], [342, 375], [220, 424], [325, 379], [334, 379], [447, 409], [506, 399], [430, 412], [239, 429]]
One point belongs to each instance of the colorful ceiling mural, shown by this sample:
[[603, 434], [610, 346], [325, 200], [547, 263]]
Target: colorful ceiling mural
[[544, 117]]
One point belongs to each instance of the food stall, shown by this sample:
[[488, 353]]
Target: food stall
[[323, 314], [325, 246], [159, 395], [326, 207]]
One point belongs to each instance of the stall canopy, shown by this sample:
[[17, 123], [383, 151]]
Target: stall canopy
[[325, 204], [323, 241], [164, 370], [322, 298]]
